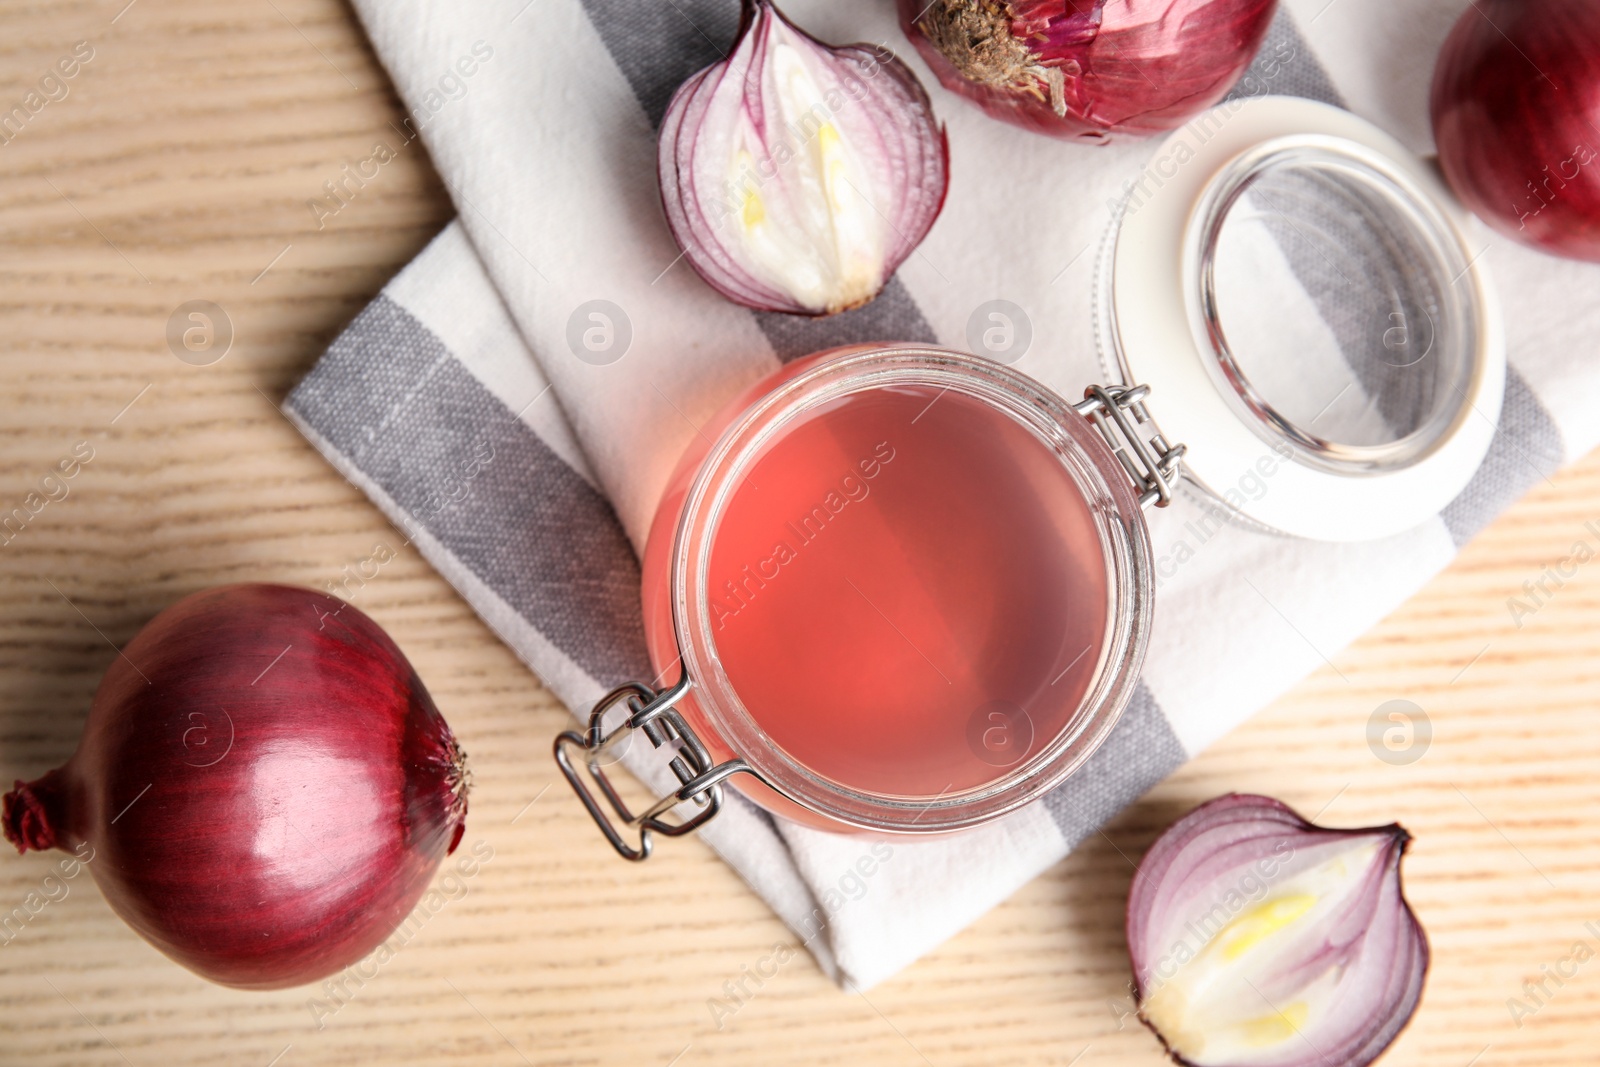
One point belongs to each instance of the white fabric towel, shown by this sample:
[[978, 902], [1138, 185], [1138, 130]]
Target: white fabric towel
[[529, 476]]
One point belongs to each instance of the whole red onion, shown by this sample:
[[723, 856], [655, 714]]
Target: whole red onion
[[1516, 116], [1087, 68], [265, 784]]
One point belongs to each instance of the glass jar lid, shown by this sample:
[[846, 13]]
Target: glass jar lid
[[1296, 289]]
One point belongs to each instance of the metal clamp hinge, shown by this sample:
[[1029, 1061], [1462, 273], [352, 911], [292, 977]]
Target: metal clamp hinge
[[654, 713], [1118, 412]]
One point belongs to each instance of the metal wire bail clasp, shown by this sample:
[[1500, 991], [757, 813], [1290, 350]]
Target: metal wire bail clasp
[[1118, 412], [656, 715]]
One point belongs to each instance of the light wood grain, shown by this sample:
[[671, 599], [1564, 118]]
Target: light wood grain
[[177, 169]]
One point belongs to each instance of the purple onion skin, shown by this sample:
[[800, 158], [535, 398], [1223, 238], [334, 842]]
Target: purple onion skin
[[1516, 117], [1129, 70], [1248, 824], [264, 820]]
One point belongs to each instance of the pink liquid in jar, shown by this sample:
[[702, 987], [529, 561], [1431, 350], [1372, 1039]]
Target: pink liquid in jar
[[909, 592]]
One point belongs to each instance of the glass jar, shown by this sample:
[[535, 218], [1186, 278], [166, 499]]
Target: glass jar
[[904, 589]]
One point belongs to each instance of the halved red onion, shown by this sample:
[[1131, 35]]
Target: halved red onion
[[1085, 68], [797, 176], [1260, 939]]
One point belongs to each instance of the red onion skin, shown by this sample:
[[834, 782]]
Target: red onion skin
[[264, 821], [1149, 66], [1516, 117]]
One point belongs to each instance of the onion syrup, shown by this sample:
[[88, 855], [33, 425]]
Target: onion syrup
[[908, 591]]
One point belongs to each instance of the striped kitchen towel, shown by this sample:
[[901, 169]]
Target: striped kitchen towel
[[525, 464]]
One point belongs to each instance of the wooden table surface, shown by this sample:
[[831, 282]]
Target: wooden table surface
[[177, 168]]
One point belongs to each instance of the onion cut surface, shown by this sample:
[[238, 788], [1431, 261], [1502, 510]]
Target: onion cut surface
[[797, 176], [1260, 939]]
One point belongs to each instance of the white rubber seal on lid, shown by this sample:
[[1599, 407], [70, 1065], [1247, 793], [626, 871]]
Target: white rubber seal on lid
[[1167, 332]]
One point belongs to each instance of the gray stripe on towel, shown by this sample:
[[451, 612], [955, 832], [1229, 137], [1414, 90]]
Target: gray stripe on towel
[[1364, 283], [1526, 447], [392, 398], [1286, 66], [891, 316], [1141, 751], [657, 47]]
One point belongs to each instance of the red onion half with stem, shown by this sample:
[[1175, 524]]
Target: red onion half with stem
[[265, 784], [1089, 69], [797, 176], [1260, 939], [1516, 117]]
